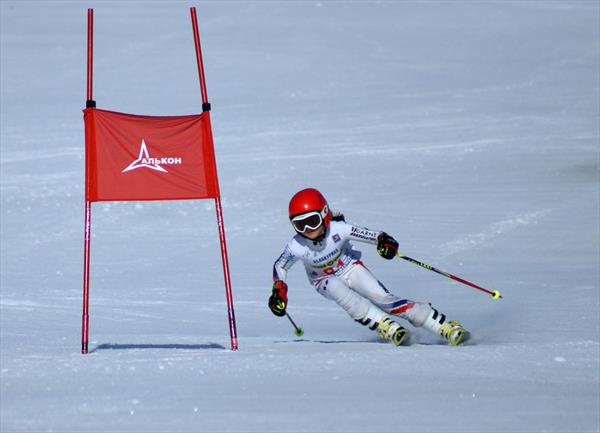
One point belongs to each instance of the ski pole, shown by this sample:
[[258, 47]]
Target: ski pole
[[494, 293], [297, 330]]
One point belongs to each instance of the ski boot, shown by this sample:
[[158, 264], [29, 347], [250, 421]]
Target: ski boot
[[454, 333], [390, 330], [451, 330]]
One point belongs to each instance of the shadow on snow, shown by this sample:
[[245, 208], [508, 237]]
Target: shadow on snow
[[110, 346], [303, 340]]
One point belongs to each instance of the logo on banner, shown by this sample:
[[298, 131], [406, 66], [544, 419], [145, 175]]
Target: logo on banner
[[144, 160]]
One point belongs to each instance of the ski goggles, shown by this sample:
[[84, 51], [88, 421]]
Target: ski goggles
[[309, 220]]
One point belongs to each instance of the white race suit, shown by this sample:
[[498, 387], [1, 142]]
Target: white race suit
[[333, 266]]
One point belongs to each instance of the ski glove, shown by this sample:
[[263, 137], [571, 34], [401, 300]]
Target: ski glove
[[387, 246], [278, 300]]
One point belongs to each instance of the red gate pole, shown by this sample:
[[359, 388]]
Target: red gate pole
[[88, 205], [206, 109], [86, 277], [90, 53]]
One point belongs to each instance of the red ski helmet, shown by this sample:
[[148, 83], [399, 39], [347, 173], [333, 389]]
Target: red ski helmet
[[308, 209]]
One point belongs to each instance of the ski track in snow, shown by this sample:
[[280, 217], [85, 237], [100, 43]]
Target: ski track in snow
[[13, 157], [491, 232], [362, 152]]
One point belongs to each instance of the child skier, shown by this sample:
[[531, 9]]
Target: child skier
[[333, 266]]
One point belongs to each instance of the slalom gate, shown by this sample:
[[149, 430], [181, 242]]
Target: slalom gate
[[131, 157]]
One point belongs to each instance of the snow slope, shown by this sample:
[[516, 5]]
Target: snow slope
[[468, 130]]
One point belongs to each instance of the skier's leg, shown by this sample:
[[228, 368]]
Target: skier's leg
[[417, 313], [361, 309], [361, 280]]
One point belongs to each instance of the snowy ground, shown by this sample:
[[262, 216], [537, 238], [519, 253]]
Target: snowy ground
[[468, 130]]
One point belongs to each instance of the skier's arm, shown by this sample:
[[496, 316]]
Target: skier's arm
[[361, 234], [278, 299], [387, 246], [285, 261]]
